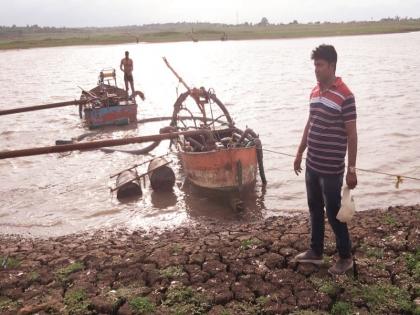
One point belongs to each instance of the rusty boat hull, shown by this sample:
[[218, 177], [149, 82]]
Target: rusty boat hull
[[112, 107], [219, 158], [123, 113], [225, 169]]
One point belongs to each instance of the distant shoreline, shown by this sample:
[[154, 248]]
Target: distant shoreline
[[35, 37]]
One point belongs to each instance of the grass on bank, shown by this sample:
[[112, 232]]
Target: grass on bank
[[21, 38], [8, 262], [63, 273], [142, 305], [77, 302]]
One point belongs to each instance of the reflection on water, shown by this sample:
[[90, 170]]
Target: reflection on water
[[163, 199], [265, 85], [203, 203], [130, 200]]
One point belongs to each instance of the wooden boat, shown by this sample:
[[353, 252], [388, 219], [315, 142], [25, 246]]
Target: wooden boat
[[107, 104]]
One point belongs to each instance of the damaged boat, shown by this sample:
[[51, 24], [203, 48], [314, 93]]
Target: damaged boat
[[219, 158], [104, 105], [214, 153], [107, 104]]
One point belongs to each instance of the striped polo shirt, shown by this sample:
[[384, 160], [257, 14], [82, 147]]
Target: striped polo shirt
[[327, 136]]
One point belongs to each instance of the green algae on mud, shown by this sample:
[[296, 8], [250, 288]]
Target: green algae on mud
[[217, 268]]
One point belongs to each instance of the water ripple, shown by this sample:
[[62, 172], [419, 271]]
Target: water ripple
[[264, 84]]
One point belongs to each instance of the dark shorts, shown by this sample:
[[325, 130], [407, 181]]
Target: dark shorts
[[128, 77]]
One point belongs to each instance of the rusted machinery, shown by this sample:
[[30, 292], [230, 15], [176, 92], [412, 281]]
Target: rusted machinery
[[161, 176]]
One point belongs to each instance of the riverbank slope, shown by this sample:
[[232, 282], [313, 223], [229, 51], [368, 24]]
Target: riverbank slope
[[34, 36], [214, 269]]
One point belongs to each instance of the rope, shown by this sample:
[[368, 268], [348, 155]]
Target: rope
[[399, 178], [281, 153]]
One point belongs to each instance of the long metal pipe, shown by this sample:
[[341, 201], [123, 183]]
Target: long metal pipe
[[251, 135], [39, 107], [100, 144], [176, 74]]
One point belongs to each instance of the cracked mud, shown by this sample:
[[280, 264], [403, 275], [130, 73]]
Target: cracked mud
[[216, 268]]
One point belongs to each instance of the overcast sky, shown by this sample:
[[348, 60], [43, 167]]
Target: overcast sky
[[75, 13]]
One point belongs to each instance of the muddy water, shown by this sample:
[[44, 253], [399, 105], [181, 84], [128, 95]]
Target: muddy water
[[264, 84]]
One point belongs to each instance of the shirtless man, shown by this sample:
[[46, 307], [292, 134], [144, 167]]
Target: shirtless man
[[126, 65]]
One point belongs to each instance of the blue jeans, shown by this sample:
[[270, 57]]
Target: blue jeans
[[325, 190]]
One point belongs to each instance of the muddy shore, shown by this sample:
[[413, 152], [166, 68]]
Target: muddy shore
[[214, 268]]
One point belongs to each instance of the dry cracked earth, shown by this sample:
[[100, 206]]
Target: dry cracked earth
[[216, 269]]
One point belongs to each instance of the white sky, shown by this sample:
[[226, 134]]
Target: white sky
[[77, 13]]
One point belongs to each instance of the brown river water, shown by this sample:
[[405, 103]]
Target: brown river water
[[265, 85]]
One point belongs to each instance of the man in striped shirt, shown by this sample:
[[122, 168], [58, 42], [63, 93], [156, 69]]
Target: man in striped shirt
[[330, 130]]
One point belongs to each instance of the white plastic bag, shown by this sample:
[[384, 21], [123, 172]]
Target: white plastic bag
[[348, 207]]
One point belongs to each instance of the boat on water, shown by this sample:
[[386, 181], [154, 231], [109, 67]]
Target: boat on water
[[214, 153], [107, 104], [222, 157], [222, 169], [104, 105]]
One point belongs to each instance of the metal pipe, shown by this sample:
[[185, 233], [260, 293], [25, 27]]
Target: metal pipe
[[258, 145], [245, 134], [99, 144], [195, 144], [141, 151], [176, 74], [251, 135], [154, 119], [39, 107]]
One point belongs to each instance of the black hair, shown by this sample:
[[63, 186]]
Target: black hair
[[127, 52], [325, 52]]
